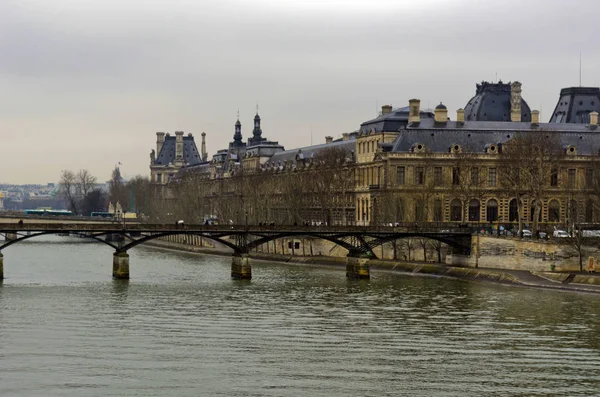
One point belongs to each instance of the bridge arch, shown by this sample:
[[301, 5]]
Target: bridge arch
[[146, 238], [265, 239], [28, 236]]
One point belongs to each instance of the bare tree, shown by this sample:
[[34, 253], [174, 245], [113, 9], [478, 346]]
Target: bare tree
[[575, 243], [468, 181], [86, 182], [68, 190], [117, 192], [538, 155]]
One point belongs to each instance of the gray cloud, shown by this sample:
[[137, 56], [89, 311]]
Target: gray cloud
[[87, 83]]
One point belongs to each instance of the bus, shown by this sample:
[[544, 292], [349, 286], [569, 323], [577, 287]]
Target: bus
[[46, 212], [102, 214]]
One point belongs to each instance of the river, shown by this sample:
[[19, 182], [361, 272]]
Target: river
[[182, 327]]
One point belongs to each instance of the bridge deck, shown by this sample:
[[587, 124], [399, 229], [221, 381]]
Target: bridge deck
[[234, 229]]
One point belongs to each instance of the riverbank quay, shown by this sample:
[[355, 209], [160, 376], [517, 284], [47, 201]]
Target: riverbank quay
[[567, 281]]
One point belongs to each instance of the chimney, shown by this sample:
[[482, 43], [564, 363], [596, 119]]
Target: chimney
[[515, 101], [328, 139], [440, 114], [594, 119], [203, 148], [386, 109], [160, 139], [414, 111], [460, 116], [535, 117], [345, 136], [178, 145]]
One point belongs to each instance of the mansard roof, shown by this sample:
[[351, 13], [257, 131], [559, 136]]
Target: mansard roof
[[478, 135], [311, 151], [390, 122], [575, 105], [191, 156]]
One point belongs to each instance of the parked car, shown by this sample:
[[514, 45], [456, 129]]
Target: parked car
[[560, 234], [590, 233], [526, 233]]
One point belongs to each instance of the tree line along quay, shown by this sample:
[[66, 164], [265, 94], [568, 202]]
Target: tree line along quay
[[496, 168]]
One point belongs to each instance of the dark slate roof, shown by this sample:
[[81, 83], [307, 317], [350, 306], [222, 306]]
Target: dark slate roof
[[191, 156], [575, 105], [492, 103], [202, 169], [390, 122], [477, 135], [310, 151]]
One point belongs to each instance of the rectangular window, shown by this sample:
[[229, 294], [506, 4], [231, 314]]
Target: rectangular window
[[455, 176], [401, 173], [492, 177], [572, 173], [589, 177], [419, 212], [554, 177], [437, 211], [159, 178], [474, 176], [419, 176], [437, 176]]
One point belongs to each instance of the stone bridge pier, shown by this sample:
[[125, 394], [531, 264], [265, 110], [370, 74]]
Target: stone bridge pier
[[121, 265], [241, 267], [357, 267]]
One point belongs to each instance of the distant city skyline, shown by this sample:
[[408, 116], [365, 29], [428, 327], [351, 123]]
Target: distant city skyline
[[88, 84]]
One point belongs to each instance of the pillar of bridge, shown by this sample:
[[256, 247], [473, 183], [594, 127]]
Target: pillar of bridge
[[121, 265], [241, 269], [1, 266], [357, 268], [11, 236]]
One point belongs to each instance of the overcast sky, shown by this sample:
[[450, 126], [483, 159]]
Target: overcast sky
[[87, 83]]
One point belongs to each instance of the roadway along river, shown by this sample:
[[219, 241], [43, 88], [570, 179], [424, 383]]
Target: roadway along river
[[181, 327]]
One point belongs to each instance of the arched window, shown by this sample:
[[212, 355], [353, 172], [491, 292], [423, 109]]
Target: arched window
[[456, 210], [554, 211], [513, 211], [474, 210], [492, 210]]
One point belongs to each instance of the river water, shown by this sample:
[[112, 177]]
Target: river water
[[181, 327]]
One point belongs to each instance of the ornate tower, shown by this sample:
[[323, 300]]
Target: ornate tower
[[203, 148], [237, 136], [257, 132]]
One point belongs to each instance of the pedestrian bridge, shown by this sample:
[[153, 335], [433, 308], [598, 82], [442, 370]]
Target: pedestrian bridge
[[242, 239]]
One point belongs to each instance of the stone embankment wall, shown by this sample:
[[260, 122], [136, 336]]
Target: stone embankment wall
[[494, 252], [532, 255], [188, 239]]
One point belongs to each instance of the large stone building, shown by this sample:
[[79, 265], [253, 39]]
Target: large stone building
[[174, 153], [410, 165]]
